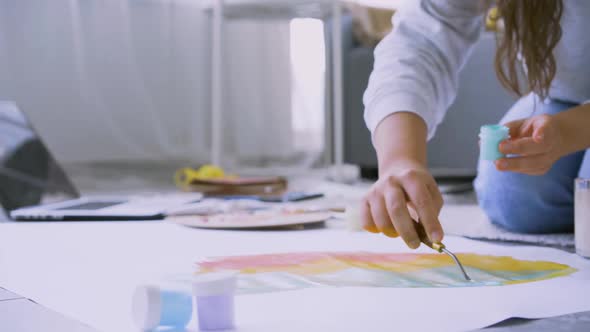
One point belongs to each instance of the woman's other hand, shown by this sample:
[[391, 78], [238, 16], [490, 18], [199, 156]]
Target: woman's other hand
[[536, 142]]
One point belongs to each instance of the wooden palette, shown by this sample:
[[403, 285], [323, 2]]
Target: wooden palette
[[252, 220]]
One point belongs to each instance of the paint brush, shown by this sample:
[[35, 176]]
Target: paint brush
[[438, 247]]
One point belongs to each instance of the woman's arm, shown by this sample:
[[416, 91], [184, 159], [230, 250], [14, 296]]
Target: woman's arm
[[403, 181], [416, 66], [409, 131], [414, 80]]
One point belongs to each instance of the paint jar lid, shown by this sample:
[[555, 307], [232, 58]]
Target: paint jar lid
[[153, 307], [494, 130], [215, 283]]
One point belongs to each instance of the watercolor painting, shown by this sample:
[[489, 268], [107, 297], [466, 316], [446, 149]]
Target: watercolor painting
[[289, 271]]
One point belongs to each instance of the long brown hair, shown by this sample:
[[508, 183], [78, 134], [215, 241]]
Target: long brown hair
[[531, 29]]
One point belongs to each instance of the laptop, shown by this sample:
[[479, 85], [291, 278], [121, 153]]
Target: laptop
[[34, 187], [18, 313]]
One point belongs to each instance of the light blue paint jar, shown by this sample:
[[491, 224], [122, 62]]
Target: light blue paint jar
[[155, 306], [490, 137]]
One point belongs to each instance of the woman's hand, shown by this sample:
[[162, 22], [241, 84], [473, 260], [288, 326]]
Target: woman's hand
[[538, 142], [385, 207]]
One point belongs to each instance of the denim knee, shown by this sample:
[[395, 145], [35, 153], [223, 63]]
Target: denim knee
[[523, 203], [530, 204]]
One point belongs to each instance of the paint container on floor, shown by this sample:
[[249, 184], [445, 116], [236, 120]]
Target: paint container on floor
[[352, 217], [582, 217], [344, 173], [154, 306], [214, 293], [490, 137]]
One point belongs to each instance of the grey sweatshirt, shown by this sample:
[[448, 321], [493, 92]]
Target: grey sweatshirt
[[417, 64]]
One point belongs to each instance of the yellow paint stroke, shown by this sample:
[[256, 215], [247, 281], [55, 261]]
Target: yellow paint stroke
[[300, 270]]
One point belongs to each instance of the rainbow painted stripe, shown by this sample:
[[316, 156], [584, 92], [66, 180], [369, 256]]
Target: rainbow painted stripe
[[276, 272]]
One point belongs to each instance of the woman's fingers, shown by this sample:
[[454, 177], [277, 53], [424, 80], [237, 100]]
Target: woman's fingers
[[533, 165], [395, 199], [436, 196], [424, 205], [367, 219], [543, 127], [527, 146], [536, 128], [381, 217], [537, 145], [515, 127]]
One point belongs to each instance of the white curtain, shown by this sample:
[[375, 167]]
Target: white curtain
[[130, 80]]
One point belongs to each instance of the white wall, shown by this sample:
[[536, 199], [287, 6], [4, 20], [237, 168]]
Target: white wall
[[129, 79]]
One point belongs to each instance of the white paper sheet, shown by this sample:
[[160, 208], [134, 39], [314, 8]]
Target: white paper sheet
[[420, 309], [88, 271], [6, 295], [22, 315]]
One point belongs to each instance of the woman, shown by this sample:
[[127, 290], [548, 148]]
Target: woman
[[415, 80]]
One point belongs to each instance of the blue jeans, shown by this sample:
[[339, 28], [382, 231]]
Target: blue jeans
[[532, 204]]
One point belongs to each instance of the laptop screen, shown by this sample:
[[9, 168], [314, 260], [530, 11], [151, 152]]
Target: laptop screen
[[29, 175]]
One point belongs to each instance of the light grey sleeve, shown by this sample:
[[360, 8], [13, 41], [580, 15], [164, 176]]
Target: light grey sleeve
[[417, 64]]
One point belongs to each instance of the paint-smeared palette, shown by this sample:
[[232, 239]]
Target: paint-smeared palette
[[253, 219], [288, 271]]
